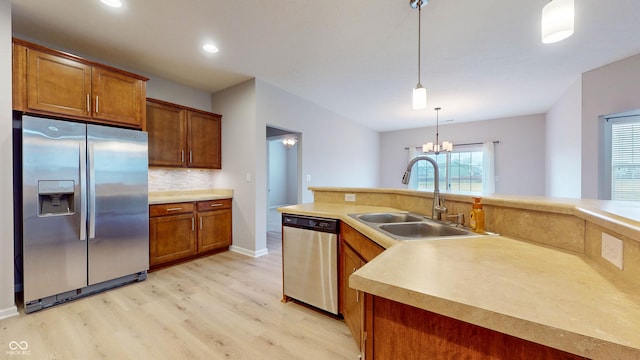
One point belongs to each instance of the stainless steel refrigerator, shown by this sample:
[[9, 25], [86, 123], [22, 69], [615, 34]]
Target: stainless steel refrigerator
[[85, 209]]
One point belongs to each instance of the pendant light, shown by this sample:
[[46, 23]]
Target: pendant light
[[557, 20], [437, 148], [419, 93]]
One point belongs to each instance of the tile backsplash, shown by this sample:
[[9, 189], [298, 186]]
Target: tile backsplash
[[163, 179]]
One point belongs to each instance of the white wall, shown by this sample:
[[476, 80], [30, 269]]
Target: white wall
[[7, 299], [564, 144], [278, 182], [241, 142], [162, 89], [335, 151], [519, 157], [610, 89]]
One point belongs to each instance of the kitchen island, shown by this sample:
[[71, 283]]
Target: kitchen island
[[554, 290]]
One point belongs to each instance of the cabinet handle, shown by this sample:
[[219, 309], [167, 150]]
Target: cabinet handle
[[200, 223], [193, 224], [190, 157], [88, 103], [96, 104], [181, 155], [216, 204], [357, 292], [174, 209]]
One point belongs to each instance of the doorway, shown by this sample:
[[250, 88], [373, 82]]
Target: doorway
[[283, 180]]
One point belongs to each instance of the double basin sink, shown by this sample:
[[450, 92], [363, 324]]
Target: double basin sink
[[410, 226]]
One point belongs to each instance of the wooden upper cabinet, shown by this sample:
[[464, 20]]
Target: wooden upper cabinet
[[182, 136], [166, 126], [117, 97], [51, 82], [57, 84], [204, 140]]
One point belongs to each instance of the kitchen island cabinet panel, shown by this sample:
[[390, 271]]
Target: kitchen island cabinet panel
[[401, 331], [356, 250]]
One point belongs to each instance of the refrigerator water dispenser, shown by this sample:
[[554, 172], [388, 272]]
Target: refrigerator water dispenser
[[55, 197]]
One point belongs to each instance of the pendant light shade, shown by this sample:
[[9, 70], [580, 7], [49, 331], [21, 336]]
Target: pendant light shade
[[557, 21], [419, 97]]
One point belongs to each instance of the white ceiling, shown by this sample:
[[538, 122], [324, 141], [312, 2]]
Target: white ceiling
[[480, 59]]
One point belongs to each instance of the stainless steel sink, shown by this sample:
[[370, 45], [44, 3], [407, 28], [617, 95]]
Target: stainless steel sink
[[410, 226], [423, 229], [389, 217]]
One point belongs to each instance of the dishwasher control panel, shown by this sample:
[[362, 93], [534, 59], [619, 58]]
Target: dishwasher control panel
[[311, 223]]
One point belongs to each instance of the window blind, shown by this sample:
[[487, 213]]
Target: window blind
[[625, 161]]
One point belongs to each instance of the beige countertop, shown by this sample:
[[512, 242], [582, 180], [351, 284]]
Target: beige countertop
[[539, 293], [167, 197]]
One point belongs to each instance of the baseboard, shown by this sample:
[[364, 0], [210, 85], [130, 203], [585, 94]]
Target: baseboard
[[247, 252], [9, 312]]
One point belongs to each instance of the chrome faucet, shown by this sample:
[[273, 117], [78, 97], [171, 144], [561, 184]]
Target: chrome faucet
[[438, 200]]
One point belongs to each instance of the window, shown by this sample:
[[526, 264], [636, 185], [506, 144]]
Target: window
[[624, 158], [460, 171]]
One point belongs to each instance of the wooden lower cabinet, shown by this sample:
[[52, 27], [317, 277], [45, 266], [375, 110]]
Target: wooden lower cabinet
[[183, 231], [171, 238], [214, 225], [352, 309], [355, 251], [399, 331]]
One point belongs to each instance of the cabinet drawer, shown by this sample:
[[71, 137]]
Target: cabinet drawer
[[363, 246], [170, 209], [214, 205]]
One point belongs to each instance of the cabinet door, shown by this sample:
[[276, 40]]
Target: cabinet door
[[171, 238], [166, 126], [57, 84], [117, 98], [214, 230], [204, 140], [352, 308]]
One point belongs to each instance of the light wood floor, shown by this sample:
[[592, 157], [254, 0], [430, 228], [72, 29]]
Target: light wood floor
[[226, 306]]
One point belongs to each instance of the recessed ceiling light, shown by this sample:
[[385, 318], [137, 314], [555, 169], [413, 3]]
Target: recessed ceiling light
[[210, 48], [112, 3]]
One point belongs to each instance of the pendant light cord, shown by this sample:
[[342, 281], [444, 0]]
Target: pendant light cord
[[419, 32]]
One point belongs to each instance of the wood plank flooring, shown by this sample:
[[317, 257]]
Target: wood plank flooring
[[226, 306]]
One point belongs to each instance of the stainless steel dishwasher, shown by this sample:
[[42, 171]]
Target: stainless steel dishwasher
[[310, 260]]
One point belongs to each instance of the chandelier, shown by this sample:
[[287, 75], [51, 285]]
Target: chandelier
[[437, 148]]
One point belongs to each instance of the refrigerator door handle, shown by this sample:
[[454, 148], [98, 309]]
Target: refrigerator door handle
[[92, 193], [83, 191]]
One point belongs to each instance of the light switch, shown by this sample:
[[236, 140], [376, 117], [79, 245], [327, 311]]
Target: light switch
[[308, 178]]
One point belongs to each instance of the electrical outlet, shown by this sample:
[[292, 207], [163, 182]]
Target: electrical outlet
[[350, 197], [612, 250]]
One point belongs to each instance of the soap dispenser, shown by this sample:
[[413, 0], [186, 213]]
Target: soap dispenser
[[476, 219]]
